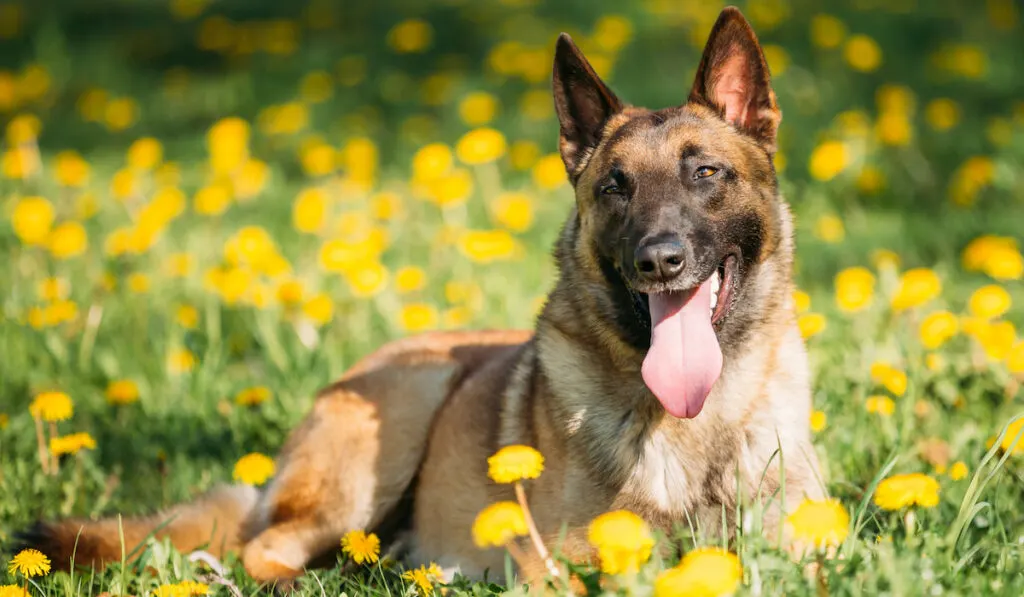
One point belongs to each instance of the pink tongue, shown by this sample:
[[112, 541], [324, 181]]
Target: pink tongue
[[684, 360]]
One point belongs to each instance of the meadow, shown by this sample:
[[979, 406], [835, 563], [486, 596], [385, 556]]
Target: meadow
[[211, 208]]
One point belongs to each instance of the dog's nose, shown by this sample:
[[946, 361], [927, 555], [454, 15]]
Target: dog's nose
[[659, 261]]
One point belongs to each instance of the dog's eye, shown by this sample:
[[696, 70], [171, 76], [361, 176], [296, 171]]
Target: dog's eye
[[616, 184], [610, 189], [704, 172]]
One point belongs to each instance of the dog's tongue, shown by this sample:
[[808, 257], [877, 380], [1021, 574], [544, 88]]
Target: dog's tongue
[[684, 360]]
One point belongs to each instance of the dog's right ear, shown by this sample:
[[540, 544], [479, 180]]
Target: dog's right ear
[[583, 104]]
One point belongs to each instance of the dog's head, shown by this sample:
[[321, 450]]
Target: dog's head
[[677, 208]]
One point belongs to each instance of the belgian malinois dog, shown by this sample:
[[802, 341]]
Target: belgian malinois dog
[[665, 375]]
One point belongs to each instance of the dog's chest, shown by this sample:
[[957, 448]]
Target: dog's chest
[[664, 478]]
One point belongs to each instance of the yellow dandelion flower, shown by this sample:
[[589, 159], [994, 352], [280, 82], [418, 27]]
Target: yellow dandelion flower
[[855, 288], [252, 396], [71, 444], [916, 287], [187, 316], [827, 31], [212, 200], [623, 541], [318, 159], [180, 361], [362, 547], [989, 302], [801, 301], [431, 162], [1015, 358], [254, 469], [828, 160], [29, 563], [411, 36], [498, 524], [185, 588], [367, 279], [410, 279], [1011, 435], [821, 523], [811, 324], [818, 421], [900, 491], [53, 289], [68, 240], [485, 246], [138, 283], [70, 169], [958, 471], [703, 572], [830, 229], [524, 154], [942, 114], [309, 212], [513, 211], [890, 377], [478, 108], [862, 53], [549, 172], [31, 219], [52, 406], [418, 317], [881, 405], [319, 309], [13, 591], [937, 328], [424, 578], [515, 463], [145, 154], [122, 391]]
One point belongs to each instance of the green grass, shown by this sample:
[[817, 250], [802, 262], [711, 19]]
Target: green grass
[[184, 434]]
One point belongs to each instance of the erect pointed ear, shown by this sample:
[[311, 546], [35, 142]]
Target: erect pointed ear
[[733, 79], [583, 104]]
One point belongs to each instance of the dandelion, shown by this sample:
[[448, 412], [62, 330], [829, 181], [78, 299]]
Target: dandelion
[[890, 377], [122, 391], [1015, 358], [180, 361], [515, 463], [828, 160], [900, 491], [367, 279], [252, 396], [958, 470], [431, 162], [855, 288], [513, 211], [71, 170], [362, 547], [862, 53], [212, 200], [411, 36], [801, 301], [478, 108], [811, 324], [319, 308], [485, 246], [937, 328], [498, 524], [32, 219], [13, 591], [623, 541], [882, 405], [185, 588], [424, 578], [68, 240], [187, 316], [989, 302], [71, 444], [254, 469], [818, 421], [145, 154], [830, 229], [52, 406], [549, 172], [821, 523], [29, 563], [1012, 430], [703, 572]]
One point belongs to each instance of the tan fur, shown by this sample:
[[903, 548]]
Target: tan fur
[[421, 416]]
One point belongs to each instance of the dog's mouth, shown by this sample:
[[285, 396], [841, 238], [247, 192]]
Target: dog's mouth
[[723, 281], [684, 359]]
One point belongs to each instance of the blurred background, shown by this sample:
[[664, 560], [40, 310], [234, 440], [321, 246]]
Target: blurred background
[[205, 198]]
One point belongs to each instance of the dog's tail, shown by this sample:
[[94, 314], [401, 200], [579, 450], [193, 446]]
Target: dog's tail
[[213, 522]]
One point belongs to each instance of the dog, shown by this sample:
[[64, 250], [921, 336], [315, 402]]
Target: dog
[[666, 374]]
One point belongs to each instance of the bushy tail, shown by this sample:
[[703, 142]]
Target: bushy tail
[[212, 522]]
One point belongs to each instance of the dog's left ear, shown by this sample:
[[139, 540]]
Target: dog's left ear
[[733, 79]]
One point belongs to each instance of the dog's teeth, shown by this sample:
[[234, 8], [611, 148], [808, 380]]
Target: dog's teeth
[[716, 283]]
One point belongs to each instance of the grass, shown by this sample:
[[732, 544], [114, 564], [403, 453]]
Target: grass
[[920, 198]]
